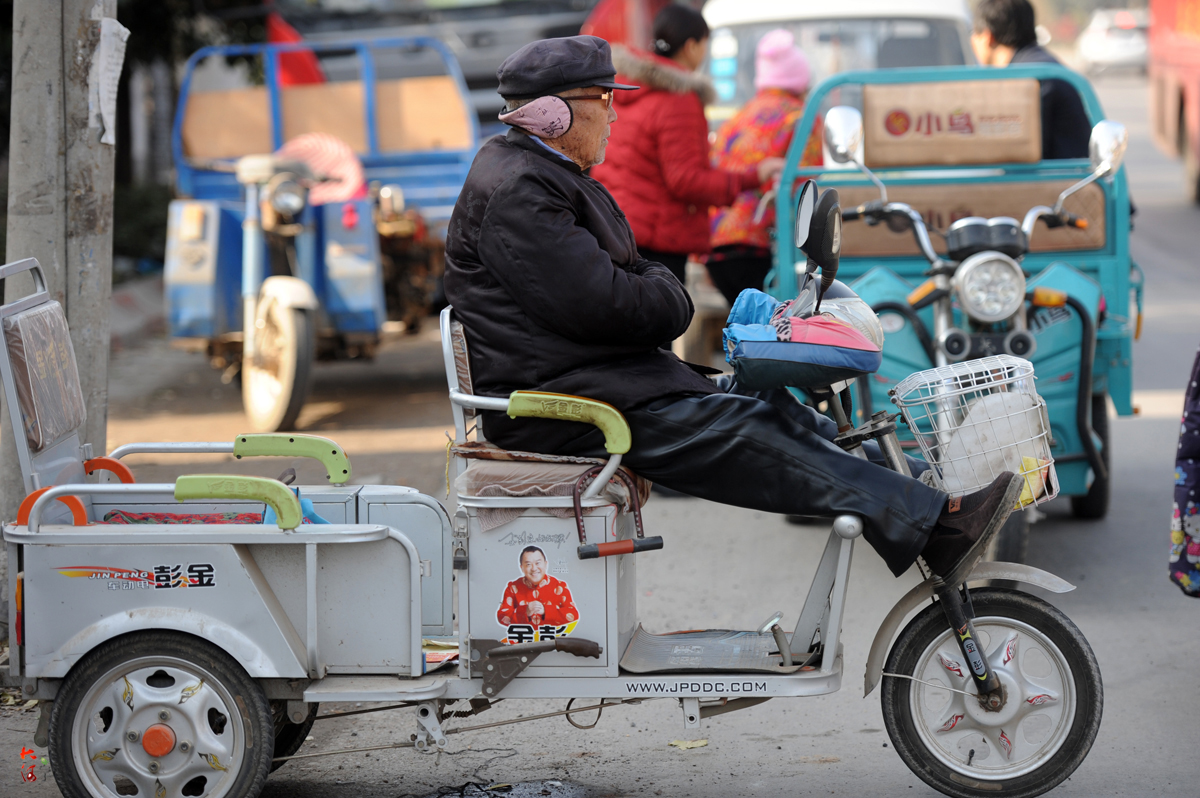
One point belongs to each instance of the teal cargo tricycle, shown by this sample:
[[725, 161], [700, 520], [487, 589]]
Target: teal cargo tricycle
[[969, 245]]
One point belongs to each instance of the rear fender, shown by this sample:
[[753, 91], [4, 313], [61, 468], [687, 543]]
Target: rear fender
[[259, 663], [924, 592], [291, 292]]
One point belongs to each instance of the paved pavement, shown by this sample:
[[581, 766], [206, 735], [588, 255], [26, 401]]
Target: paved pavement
[[731, 568]]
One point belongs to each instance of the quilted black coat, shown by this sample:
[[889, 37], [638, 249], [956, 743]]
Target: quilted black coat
[[543, 272]]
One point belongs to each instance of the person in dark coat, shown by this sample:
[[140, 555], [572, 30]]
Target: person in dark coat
[[543, 272], [1005, 34]]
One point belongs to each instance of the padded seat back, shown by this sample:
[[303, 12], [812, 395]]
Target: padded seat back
[[45, 375]]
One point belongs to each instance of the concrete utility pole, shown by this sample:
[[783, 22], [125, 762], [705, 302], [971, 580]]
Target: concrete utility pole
[[60, 198]]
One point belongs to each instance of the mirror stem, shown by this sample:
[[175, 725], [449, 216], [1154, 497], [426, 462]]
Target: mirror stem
[[1100, 172], [878, 183]]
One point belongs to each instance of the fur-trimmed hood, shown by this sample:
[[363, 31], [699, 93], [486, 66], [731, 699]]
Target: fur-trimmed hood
[[655, 72]]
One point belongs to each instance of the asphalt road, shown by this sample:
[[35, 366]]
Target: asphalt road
[[729, 568]]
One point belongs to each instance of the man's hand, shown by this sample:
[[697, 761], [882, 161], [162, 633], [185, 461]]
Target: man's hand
[[769, 169], [534, 608]]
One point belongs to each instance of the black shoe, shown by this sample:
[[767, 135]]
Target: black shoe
[[967, 525]]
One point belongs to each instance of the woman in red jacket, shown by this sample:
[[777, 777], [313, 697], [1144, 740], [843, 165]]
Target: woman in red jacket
[[657, 163]]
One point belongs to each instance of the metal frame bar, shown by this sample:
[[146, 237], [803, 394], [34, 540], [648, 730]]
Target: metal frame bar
[[197, 447], [270, 53]]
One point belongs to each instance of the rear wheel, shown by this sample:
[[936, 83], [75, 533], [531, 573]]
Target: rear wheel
[[1053, 699], [276, 377], [160, 715], [1093, 505]]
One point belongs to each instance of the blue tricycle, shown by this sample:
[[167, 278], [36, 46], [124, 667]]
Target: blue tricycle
[[311, 224], [967, 244]]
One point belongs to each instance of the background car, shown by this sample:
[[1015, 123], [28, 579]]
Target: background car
[[836, 37], [1114, 39]]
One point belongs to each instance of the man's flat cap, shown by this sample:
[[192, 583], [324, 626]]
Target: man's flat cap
[[549, 66]]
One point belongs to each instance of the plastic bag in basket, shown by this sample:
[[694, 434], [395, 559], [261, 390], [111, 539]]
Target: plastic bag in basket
[[999, 432]]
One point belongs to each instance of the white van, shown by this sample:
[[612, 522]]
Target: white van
[[836, 37]]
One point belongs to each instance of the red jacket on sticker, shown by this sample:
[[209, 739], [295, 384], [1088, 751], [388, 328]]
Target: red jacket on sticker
[[553, 594]]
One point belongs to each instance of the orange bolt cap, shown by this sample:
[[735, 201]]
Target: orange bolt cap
[[158, 740]]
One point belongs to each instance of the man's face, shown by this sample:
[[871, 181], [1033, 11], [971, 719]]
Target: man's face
[[984, 45], [584, 143], [533, 565]]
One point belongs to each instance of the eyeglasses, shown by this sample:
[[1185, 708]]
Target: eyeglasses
[[606, 96]]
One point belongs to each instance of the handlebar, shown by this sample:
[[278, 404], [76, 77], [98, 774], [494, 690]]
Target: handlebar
[[876, 211]]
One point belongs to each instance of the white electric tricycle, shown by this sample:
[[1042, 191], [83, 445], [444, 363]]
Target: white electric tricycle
[[169, 633]]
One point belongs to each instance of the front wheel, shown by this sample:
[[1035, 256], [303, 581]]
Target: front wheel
[[1053, 699], [276, 377], [160, 715]]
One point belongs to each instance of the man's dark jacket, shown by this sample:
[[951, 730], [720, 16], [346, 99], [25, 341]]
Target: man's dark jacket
[[1065, 126], [544, 274]]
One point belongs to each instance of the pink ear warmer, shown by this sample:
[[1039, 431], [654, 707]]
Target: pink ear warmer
[[546, 117]]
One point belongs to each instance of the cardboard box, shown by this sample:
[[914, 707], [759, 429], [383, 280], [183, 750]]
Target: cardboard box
[[943, 204], [957, 122]]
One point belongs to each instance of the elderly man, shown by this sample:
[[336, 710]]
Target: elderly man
[[544, 273]]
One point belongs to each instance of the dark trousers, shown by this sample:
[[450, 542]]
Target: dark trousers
[[734, 269], [765, 450]]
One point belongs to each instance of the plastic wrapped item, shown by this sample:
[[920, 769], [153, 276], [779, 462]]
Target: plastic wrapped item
[[46, 377], [976, 419]]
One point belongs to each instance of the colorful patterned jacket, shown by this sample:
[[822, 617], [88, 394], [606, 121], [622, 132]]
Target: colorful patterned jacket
[[763, 128]]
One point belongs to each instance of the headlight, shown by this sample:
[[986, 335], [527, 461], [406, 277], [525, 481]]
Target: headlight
[[990, 286], [287, 198]]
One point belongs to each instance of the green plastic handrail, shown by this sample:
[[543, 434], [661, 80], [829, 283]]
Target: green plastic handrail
[[230, 486], [562, 406], [332, 456]]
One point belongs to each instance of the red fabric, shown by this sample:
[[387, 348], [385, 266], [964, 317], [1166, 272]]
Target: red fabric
[[296, 68], [554, 595], [822, 331], [623, 21], [657, 166]]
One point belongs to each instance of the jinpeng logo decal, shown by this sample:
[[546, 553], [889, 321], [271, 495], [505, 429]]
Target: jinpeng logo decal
[[160, 577]]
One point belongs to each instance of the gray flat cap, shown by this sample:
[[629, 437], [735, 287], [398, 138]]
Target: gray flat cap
[[549, 66]]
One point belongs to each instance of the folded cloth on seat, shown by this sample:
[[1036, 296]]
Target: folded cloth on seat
[[516, 478], [127, 517]]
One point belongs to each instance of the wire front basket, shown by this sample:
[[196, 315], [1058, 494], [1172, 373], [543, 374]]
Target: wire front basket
[[977, 419]]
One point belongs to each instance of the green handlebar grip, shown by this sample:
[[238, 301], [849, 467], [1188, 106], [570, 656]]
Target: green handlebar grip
[[332, 456], [537, 404], [259, 489]]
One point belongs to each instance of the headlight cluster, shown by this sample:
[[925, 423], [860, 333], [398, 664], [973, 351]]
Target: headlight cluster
[[288, 198], [990, 286]]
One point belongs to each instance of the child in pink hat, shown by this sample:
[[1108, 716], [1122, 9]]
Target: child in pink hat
[[780, 64], [741, 255]]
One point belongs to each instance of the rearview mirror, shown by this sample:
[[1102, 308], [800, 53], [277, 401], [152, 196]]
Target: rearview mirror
[[824, 243], [1107, 146], [805, 202], [843, 132]]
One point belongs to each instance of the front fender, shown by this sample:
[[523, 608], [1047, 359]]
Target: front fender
[[280, 663], [924, 592], [288, 291]]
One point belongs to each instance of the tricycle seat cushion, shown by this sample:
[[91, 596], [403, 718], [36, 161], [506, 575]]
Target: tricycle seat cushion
[[492, 471]]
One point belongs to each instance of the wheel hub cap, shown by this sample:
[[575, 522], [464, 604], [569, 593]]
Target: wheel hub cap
[[158, 740]]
